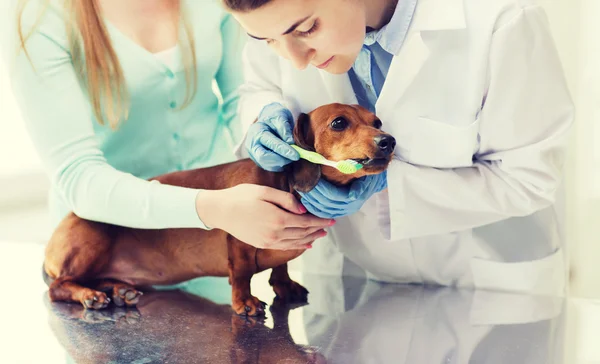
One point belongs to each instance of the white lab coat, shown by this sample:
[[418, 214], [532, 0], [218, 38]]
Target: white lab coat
[[477, 101]]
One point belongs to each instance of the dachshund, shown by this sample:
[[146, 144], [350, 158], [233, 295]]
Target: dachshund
[[88, 262]]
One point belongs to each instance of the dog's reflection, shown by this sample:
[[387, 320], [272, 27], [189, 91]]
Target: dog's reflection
[[175, 327]]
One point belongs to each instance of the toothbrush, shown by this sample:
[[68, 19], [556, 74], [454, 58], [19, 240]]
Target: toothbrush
[[347, 166]]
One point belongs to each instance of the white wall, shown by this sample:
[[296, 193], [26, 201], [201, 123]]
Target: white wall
[[21, 177], [17, 156], [23, 185], [14, 138], [576, 29]]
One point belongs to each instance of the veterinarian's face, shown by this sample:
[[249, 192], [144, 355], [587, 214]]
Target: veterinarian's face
[[327, 34]]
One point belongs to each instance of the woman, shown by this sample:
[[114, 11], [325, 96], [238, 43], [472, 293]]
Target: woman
[[115, 92], [474, 94]]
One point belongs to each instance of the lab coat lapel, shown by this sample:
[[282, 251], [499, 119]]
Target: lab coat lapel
[[430, 15], [405, 66]]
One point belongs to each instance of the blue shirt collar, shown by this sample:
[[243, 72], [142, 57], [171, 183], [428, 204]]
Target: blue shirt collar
[[391, 36]]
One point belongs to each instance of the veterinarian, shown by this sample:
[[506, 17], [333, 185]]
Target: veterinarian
[[114, 93], [473, 92]]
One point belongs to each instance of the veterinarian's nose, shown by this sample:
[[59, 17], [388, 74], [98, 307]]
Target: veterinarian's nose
[[297, 52], [386, 143]]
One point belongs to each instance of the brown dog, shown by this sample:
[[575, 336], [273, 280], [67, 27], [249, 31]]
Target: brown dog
[[85, 259]]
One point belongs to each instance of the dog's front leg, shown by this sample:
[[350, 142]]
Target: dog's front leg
[[285, 288], [242, 266]]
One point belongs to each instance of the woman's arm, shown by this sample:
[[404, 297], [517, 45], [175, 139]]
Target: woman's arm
[[59, 120]]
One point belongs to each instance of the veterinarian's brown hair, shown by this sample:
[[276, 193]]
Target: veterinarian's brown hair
[[95, 60], [244, 5]]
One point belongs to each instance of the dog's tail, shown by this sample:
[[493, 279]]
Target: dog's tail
[[46, 277]]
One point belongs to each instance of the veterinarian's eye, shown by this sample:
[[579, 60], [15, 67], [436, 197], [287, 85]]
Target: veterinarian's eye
[[339, 124], [377, 124], [310, 31]]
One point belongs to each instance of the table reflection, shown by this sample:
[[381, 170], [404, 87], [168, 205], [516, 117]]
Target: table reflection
[[348, 320]]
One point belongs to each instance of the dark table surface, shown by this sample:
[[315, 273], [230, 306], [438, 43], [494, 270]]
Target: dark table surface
[[347, 320]]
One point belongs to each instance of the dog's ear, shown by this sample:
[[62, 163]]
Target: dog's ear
[[303, 174], [303, 134]]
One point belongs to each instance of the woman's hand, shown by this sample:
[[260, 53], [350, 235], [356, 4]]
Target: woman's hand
[[264, 217], [268, 139]]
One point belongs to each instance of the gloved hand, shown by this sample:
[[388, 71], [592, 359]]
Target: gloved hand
[[328, 201], [269, 138]]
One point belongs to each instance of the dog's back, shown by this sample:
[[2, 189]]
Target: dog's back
[[226, 176]]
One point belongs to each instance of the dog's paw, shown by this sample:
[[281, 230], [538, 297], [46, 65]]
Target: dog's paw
[[290, 292], [251, 306], [125, 295], [94, 300]]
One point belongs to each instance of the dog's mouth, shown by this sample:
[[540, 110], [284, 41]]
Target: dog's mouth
[[373, 162]]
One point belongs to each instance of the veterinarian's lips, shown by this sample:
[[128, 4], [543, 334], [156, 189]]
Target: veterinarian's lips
[[326, 63]]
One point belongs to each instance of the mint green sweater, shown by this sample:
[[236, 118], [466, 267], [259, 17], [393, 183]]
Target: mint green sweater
[[100, 174]]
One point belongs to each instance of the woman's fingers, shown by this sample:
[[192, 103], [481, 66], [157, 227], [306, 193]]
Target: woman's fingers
[[306, 221], [283, 199], [263, 217], [298, 218], [298, 233], [304, 243]]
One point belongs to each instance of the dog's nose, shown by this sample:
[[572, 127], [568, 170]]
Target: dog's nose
[[386, 143]]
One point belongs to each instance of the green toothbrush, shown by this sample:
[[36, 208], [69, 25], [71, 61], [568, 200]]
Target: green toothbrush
[[347, 166]]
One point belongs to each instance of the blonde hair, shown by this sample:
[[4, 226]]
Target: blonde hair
[[96, 62]]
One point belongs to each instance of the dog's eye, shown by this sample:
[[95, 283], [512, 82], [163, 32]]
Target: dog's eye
[[339, 124], [377, 124]]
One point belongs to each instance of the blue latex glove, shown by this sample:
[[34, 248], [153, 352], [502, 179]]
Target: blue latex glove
[[269, 138], [330, 202]]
